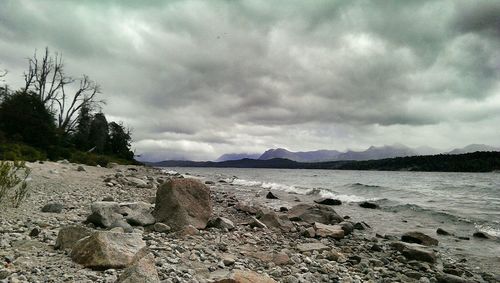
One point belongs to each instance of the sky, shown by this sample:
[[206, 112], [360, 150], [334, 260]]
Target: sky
[[196, 79]]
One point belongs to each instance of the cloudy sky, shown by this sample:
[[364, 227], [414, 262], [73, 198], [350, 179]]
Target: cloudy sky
[[195, 79]]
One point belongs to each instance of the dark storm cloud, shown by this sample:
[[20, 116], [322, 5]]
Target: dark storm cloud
[[201, 78]]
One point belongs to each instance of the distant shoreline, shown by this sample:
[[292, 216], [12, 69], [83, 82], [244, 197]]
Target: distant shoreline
[[468, 162]]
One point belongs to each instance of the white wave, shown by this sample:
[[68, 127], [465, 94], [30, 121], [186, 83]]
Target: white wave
[[283, 187], [489, 230], [245, 183], [169, 172]]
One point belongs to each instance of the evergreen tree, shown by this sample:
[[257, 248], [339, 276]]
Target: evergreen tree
[[98, 134], [24, 118], [81, 136], [119, 141]]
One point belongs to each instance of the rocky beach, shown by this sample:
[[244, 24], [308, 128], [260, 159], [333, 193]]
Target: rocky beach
[[139, 224]]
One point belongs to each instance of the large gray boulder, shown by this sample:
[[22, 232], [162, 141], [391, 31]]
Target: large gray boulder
[[314, 213], [415, 251], [104, 249], [105, 214], [143, 270], [182, 202], [138, 213], [69, 235]]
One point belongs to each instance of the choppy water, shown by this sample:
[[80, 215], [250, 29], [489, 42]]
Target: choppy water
[[461, 203]]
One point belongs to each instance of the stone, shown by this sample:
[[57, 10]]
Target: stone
[[310, 247], [103, 250], [53, 207], [189, 230], [138, 213], [161, 228], [272, 220], [309, 232], [332, 231], [143, 270], [112, 165], [181, 202], [123, 225], [136, 182], [256, 223], [104, 213], [450, 278], [415, 251], [314, 213], [221, 223], [419, 238], [108, 198], [81, 169], [361, 226], [443, 232], [370, 205], [69, 235], [209, 183], [281, 258], [244, 276], [482, 235], [347, 226], [34, 232], [250, 209], [228, 260], [270, 195], [328, 201]]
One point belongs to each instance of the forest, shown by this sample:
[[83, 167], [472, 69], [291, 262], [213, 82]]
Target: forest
[[57, 116]]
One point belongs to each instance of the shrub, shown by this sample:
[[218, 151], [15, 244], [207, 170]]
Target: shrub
[[13, 182], [10, 151]]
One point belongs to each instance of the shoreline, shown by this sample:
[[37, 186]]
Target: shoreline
[[359, 257]]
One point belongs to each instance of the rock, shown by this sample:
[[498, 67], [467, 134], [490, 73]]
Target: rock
[[272, 220], [221, 223], [103, 250], [270, 195], [361, 226], [105, 214], [209, 183], [188, 230], [69, 235], [256, 223], [181, 202], [443, 232], [348, 227], [314, 213], [281, 258], [228, 260], [332, 231], [283, 209], [419, 238], [161, 228], [482, 235], [136, 182], [415, 252], [138, 213], [53, 207], [112, 165], [81, 169], [123, 225], [309, 232], [310, 247], [244, 207], [370, 205], [143, 270], [108, 198], [449, 278], [328, 201], [243, 276], [34, 232]]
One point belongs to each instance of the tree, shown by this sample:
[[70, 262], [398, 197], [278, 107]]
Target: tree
[[24, 118], [46, 80], [98, 134], [82, 131], [119, 141]]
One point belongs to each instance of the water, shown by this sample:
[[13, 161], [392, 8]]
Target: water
[[461, 203]]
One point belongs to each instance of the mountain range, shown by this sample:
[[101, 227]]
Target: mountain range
[[373, 152]]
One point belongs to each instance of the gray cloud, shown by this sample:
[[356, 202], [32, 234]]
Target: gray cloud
[[197, 79]]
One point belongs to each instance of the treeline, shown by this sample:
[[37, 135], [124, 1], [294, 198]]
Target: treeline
[[56, 116], [469, 162]]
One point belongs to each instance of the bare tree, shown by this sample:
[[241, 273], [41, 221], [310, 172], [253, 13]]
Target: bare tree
[[46, 79]]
